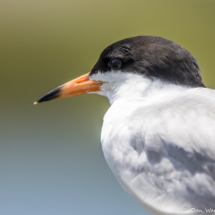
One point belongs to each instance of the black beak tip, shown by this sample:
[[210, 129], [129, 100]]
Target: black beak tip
[[49, 96]]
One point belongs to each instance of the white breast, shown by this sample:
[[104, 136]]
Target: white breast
[[159, 142]]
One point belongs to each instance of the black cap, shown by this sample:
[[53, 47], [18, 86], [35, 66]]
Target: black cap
[[154, 57]]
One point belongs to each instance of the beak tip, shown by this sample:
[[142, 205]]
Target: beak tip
[[49, 96]]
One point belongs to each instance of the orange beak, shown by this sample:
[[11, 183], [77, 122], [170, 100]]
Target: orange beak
[[75, 87]]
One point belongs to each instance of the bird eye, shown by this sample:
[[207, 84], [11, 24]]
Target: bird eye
[[116, 64]]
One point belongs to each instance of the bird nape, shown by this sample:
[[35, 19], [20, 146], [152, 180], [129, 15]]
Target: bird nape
[[158, 134]]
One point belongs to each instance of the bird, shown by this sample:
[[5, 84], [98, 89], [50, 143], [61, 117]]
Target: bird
[[158, 135]]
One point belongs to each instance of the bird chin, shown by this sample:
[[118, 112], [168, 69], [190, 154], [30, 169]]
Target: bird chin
[[101, 93]]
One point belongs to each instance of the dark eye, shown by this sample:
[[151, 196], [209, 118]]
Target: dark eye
[[116, 64]]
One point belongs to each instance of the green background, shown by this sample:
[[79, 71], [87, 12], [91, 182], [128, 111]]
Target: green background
[[51, 162]]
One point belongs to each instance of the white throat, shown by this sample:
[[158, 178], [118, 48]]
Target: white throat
[[121, 85]]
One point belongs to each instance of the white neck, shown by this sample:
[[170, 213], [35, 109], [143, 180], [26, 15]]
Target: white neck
[[120, 85]]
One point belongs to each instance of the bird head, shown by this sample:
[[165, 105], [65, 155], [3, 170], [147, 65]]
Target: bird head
[[140, 59]]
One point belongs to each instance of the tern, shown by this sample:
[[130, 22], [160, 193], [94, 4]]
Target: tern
[[158, 136]]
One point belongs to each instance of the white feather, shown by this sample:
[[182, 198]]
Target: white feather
[[159, 141]]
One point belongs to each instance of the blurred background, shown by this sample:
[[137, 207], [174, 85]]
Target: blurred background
[[51, 161]]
